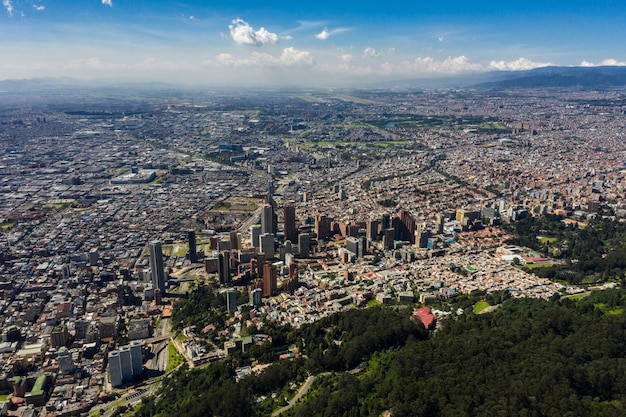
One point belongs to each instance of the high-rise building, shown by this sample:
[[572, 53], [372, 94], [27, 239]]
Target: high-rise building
[[231, 300], [371, 229], [388, 238], [223, 267], [421, 235], [407, 226], [267, 219], [291, 233], [304, 245], [136, 358], [193, 250], [115, 368], [322, 227], [157, 268], [255, 232], [66, 363], [234, 240], [255, 297], [440, 223], [269, 279], [267, 245], [126, 362], [352, 245]]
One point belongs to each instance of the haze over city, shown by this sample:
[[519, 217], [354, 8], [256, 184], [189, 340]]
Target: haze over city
[[317, 44]]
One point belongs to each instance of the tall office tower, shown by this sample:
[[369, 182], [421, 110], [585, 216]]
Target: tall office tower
[[421, 235], [157, 270], [267, 245], [304, 245], [385, 222], [234, 241], [388, 238], [322, 227], [371, 229], [255, 297], [440, 222], [292, 283], [269, 279], [231, 300], [135, 357], [362, 247], [127, 367], [115, 368], [267, 219], [407, 226], [260, 261], [66, 363], [223, 267], [291, 233], [193, 250], [255, 232], [352, 245]]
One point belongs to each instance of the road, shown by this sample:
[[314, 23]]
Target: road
[[303, 390]]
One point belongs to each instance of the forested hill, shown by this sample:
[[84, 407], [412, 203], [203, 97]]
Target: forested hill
[[527, 358]]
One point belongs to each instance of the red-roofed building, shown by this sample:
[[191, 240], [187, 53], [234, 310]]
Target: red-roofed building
[[426, 317]]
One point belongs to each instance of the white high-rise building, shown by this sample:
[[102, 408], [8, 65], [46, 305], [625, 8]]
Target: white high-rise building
[[135, 357], [126, 363]]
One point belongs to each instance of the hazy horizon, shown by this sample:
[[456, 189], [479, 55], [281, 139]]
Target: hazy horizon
[[279, 43]]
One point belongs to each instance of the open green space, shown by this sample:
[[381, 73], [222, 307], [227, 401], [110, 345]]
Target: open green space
[[547, 240], [480, 306], [173, 357], [609, 311]]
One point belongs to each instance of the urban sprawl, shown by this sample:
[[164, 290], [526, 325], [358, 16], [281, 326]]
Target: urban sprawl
[[309, 202]]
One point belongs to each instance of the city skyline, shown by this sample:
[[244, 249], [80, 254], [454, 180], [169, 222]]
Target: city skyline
[[274, 44]]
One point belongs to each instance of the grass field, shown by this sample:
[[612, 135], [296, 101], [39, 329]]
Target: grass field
[[173, 357], [615, 311], [480, 306], [547, 240]]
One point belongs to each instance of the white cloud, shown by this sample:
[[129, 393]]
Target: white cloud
[[450, 65], [243, 34], [108, 3], [289, 57], [323, 35], [192, 18], [8, 4], [440, 39], [286, 37], [373, 53], [609, 62], [38, 8], [520, 64]]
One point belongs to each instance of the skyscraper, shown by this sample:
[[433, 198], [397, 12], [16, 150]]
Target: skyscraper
[[193, 250], [231, 300], [223, 267], [115, 368], [267, 219], [157, 269], [267, 245], [269, 279], [135, 357], [291, 233], [303, 245], [255, 232]]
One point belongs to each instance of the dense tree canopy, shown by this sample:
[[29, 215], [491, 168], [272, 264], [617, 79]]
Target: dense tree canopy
[[527, 358]]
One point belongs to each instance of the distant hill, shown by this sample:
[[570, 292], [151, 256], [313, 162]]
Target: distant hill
[[549, 77]]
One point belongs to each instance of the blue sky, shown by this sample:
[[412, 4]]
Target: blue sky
[[318, 43]]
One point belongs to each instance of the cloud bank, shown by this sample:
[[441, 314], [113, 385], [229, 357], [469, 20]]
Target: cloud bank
[[609, 62], [244, 34]]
